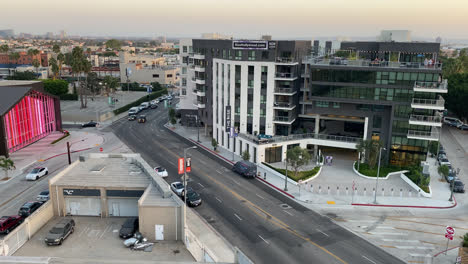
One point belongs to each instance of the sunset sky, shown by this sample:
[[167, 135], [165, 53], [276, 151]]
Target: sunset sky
[[241, 18]]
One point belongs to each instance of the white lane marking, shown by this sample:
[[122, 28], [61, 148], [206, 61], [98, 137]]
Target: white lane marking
[[202, 162], [260, 196], [201, 185], [400, 240], [105, 230], [370, 260], [322, 232], [264, 239], [219, 172], [237, 182], [288, 213], [361, 221], [380, 227], [388, 234], [218, 199], [420, 255], [413, 247], [238, 217]]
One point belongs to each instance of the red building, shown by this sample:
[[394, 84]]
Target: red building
[[23, 59], [27, 114]]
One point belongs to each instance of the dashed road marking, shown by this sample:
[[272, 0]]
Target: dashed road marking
[[201, 185], [264, 239], [260, 196], [237, 182], [400, 240], [288, 213], [370, 260], [413, 247], [322, 232], [218, 199], [219, 172], [238, 217]]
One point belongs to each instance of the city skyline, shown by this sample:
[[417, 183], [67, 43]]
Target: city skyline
[[295, 18]]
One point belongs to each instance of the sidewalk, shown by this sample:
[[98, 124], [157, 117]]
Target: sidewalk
[[334, 184]]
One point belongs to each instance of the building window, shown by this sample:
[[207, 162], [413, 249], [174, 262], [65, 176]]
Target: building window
[[264, 55], [184, 91], [323, 104], [336, 105], [184, 70], [184, 81], [155, 75], [377, 122], [184, 49], [238, 55], [169, 76], [224, 53], [251, 55], [251, 84]]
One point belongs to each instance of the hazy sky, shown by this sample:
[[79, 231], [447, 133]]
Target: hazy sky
[[241, 18]]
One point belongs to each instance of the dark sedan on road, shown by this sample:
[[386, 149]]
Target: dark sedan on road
[[193, 198], [90, 124], [458, 186]]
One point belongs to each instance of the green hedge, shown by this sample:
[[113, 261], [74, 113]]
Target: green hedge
[[301, 175], [69, 97], [139, 101]]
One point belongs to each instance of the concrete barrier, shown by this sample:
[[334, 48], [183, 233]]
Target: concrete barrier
[[18, 237]]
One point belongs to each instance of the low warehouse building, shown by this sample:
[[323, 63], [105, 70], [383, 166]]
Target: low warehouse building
[[118, 185]]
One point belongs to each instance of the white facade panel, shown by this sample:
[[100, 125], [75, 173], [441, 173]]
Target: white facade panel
[[83, 206], [122, 206]]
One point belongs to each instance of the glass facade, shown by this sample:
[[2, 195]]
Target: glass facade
[[29, 120]]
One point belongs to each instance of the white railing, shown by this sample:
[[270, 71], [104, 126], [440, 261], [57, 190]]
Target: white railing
[[429, 135], [429, 102], [424, 118], [278, 139], [431, 85], [372, 63]]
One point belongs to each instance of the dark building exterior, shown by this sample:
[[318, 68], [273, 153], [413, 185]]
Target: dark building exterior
[[27, 114], [388, 91]]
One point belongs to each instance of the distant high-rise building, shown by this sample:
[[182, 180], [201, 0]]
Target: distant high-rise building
[[63, 34], [7, 33], [162, 39], [49, 35], [395, 36], [439, 40]]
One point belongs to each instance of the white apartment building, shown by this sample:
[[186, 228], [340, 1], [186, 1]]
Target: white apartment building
[[187, 93]]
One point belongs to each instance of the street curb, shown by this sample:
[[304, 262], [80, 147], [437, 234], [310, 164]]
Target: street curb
[[276, 188], [74, 151], [211, 151], [409, 206]]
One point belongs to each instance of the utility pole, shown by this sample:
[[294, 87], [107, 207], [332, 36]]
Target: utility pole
[[378, 173], [68, 151], [185, 186], [286, 178]]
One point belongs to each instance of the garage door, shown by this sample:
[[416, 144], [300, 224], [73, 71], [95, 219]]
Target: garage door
[[83, 206], [123, 206]]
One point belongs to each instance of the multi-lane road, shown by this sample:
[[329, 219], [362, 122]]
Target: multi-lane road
[[267, 226]]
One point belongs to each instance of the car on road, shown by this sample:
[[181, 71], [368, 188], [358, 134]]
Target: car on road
[[28, 208], [155, 101], [43, 196], [463, 126], [177, 188], [161, 171], [60, 232], [132, 117], [169, 97], [452, 121], [154, 106], [133, 111], [245, 168], [459, 186], [89, 124], [129, 227], [444, 161], [145, 105], [193, 198], [36, 173], [142, 119], [8, 223]]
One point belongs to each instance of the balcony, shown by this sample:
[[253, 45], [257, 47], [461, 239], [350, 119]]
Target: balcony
[[428, 104], [199, 56], [199, 81], [199, 68], [199, 105], [343, 62], [431, 87], [286, 61], [424, 135], [423, 120], [279, 139], [284, 106], [285, 76], [284, 91], [284, 120], [200, 93]]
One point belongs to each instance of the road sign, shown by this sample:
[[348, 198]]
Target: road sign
[[100, 149], [449, 236], [449, 230], [181, 166], [188, 165]]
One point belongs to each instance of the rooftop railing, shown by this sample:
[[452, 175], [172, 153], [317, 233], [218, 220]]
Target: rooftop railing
[[424, 118], [429, 102], [372, 63], [286, 60], [436, 86], [277, 139]]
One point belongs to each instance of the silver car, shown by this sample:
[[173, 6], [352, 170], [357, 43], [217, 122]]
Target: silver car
[[43, 196], [177, 187]]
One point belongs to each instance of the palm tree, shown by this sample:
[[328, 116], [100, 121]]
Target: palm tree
[[13, 57], [4, 48], [36, 65], [56, 49], [6, 164], [54, 66], [60, 59], [371, 149]]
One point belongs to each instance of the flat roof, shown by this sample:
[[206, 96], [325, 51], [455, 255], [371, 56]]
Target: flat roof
[[153, 197], [106, 172]]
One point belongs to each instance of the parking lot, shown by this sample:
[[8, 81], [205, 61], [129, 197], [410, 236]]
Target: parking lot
[[97, 238]]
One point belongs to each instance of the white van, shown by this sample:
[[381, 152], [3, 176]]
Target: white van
[[145, 105], [133, 111]]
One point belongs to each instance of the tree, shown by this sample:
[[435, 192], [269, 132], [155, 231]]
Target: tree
[[92, 83], [458, 95], [371, 149], [246, 155], [36, 65], [156, 86], [6, 164], [214, 143], [114, 44], [443, 171], [54, 67], [433, 145], [171, 113], [13, 57], [111, 84], [297, 157], [4, 48], [56, 87], [60, 60], [56, 49]]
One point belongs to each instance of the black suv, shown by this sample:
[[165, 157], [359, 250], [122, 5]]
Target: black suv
[[129, 227], [28, 208], [459, 186], [60, 231], [245, 168], [193, 198]]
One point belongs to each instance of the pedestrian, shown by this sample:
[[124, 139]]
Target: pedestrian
[[426, 62], [331, 159]]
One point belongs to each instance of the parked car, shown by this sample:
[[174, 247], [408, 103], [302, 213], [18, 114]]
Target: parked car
[[28, 208], [193, 198], [129, 227], [154, 106], [43, 196], [89, 124], [177, 187], [145, 105], [458, 186], [451, 176], [463, 126], [161, 171], [452, 121], [133, 111], [8, 223], [245, 168], [36, 173], [142, 119], [444, 161], [60, 232]]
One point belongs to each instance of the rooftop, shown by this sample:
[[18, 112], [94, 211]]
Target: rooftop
[[342, 62]]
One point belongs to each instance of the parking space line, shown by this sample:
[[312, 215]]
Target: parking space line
[[218, 199], [322, 232], [260, 196], [288, 213], [201, 185], [83, 231], [264, 239], [238, 217], [105, 230], [219, 172], [369, 259], [237, 182]]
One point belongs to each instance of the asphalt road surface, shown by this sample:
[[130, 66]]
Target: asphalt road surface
[[267, 226]]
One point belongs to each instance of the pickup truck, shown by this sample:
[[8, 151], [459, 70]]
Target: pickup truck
[[60, 232]]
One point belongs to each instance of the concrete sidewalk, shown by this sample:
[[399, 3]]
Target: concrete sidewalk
[[334, 184]]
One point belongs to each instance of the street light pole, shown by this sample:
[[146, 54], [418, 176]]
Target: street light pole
[[198, 129], [185, 186], [286, 178], [378, 173], [69, 147]]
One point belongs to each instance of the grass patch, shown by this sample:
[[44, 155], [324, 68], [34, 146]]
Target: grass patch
[[301, 175], [384, 170], [66, 134]]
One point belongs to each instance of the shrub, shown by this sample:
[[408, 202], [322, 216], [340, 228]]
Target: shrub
[[69, 97], [139, 101], [245, 155], [214, 143], [301, 175], [56, 87], [465, 240]]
